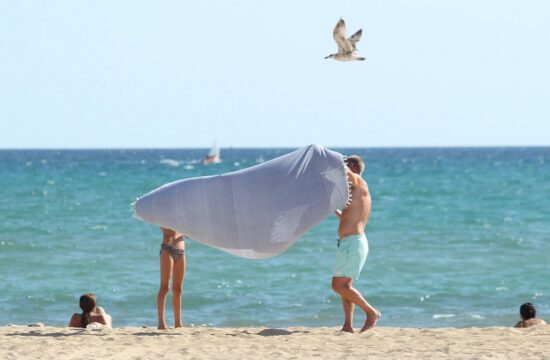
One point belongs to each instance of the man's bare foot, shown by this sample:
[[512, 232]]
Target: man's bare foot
[[371, 321], [162, 327], [347, 328], [179, 326]]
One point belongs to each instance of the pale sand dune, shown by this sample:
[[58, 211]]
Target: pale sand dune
[[22, 342]]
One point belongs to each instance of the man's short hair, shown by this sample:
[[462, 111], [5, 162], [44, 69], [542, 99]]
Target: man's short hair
[[355, 160], [527, 311]]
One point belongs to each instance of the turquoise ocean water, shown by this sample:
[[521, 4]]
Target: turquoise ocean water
[[458, 237]]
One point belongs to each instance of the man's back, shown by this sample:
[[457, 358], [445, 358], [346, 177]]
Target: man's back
[[355, 216]]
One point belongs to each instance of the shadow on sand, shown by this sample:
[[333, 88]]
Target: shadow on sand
[[270, 332]]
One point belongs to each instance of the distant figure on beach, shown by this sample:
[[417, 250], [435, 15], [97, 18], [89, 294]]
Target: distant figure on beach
[[91, 313], [528, 314], [172, 264], [353, 247]]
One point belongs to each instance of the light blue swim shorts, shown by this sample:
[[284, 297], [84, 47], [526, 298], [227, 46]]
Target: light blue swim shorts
[[351, 256]]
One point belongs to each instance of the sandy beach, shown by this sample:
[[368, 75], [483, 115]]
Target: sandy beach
[[23, 342]]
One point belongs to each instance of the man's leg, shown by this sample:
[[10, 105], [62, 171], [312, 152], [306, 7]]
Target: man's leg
[[343, 286], [348, 315]]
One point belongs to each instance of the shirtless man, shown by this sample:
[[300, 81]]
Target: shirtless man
[[353, 247]]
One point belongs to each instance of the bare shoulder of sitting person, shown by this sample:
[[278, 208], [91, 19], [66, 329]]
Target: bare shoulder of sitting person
[[75, 320]]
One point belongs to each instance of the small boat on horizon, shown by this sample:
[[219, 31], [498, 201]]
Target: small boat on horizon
[[213, 156]]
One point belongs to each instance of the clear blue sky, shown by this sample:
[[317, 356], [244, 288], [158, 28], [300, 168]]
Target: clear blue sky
[[117, 74]]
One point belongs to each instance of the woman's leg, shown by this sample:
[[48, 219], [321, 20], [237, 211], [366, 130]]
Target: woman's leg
[[166, 264], [178, 276]]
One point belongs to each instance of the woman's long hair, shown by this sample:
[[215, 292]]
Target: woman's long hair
[[87, 304]]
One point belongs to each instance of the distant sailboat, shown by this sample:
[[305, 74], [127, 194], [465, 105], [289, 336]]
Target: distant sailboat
[[213, 156]]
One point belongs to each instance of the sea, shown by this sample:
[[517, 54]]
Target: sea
[[459, 237]]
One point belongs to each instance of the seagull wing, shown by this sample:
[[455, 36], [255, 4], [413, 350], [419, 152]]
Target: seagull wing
[[353, 39], [339, 35]]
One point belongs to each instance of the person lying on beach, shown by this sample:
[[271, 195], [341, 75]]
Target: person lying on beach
[[528, 315], [91, 313]]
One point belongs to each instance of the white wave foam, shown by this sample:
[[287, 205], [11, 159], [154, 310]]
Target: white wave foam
[[170, 162], [99, 227], [443, 316]]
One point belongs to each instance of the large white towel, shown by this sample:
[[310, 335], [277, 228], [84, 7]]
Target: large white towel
[[256, 212]]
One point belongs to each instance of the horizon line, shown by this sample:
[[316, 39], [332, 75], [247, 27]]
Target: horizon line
[[281, 147]]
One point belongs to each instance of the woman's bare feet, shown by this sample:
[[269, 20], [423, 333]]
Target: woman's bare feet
[[371, 321]]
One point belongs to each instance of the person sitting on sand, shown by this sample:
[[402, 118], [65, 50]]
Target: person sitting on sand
[[91, 313], [528, 315]]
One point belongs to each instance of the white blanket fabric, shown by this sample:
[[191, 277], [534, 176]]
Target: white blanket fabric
[[257, 212]]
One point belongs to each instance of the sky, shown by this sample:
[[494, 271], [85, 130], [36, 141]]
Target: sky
[[186, 74]]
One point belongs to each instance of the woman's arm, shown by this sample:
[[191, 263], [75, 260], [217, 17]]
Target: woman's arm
[[105, 318]]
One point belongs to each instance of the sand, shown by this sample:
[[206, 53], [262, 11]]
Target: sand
[[23, 342]]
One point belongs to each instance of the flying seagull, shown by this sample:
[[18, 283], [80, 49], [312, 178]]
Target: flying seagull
[[346, 47]]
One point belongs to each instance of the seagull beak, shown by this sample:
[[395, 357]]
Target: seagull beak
[[326, 57]]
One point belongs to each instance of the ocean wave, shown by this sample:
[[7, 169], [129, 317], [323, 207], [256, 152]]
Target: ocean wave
[[443, 316], [170, 162]]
